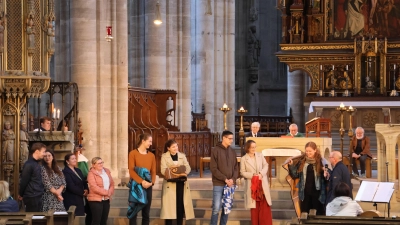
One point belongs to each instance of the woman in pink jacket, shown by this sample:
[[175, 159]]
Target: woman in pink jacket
[[101, 188]]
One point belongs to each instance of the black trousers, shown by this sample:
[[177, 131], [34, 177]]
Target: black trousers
[[180, 208], [311, 202], [362, 159], [145, 210], [33, 204], [100, 210], [88, 218]]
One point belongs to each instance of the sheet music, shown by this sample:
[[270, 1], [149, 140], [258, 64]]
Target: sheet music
[[375, 192], [384, 192], [367, 191]]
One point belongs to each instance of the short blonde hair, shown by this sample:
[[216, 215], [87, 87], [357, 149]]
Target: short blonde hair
[[95, 159], [4, 191]]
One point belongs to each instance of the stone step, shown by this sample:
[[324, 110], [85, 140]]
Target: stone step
[[198, 221], [203, 203], [282, 194]]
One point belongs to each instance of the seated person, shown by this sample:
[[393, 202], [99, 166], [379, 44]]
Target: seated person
[[343, 205], [45, 124], [359, 150], [255, 128], [7, 203], [294, 131]]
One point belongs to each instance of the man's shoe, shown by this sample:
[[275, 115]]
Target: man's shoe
[[363, 175], [355, 175]]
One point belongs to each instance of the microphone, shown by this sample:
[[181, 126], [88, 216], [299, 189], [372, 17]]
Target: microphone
[[326, 169]]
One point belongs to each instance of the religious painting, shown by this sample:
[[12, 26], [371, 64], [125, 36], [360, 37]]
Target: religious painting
[[360, 17], [340, 78]]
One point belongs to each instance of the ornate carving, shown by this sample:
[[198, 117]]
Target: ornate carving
[[315, 58], [369, 119], [315, 47], [312, 70], [9, 110], [335, 119]]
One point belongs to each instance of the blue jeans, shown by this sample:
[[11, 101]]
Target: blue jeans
[[218, 191]]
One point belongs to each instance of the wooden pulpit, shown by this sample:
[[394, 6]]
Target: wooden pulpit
[[318, 127]]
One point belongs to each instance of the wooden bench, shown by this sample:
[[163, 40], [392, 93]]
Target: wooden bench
[[25, 221], [40, 218], [208, 159]]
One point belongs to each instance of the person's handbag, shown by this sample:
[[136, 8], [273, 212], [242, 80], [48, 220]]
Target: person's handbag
[[175, 174]]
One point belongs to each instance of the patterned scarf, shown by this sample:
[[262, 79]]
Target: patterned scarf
[[227, 198]]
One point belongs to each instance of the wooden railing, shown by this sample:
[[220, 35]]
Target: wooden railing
[[195, 145]]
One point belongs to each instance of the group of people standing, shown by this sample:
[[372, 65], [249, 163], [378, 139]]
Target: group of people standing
[[45, 186]]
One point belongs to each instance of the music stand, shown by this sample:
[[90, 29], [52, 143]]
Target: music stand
[[376, 192]]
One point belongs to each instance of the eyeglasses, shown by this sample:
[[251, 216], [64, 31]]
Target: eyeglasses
[[100, 163]]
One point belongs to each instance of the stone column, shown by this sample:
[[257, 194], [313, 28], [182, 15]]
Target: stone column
[[84, 70], [295, 97], [120, 113], [100, 70], [62, 60], [214, 65], [202, 45]]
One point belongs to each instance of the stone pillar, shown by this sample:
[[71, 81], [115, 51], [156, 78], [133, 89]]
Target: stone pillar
[[214, 64], [120, 113], [295, 97], [202, 45], [84, 70], [100, 70], [62, 60]]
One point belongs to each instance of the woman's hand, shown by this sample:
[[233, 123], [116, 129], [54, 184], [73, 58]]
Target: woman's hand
[[85, 192], [60, 198], [146, 184], [260, 176]]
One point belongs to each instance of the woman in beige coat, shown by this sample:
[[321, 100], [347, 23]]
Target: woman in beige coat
[[176, 198], [254, 167]]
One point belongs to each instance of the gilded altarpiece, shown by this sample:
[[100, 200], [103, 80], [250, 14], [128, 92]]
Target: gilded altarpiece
[[26, 45], [350, 50]]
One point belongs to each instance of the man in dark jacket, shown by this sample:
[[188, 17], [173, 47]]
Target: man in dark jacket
[[224, 169], [340, 173], [30, 185]]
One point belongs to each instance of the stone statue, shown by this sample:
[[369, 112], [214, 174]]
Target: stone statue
[[30, 31], [8, 142], [253, 47], [24, 141]]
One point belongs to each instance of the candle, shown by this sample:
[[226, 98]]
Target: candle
[[333, 67], [341, 105], [225, 106], [241, 108], [320, 67], [376, 45], [54, 112], [347, 67], [394, 67], [58, 113], [351, 107]]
